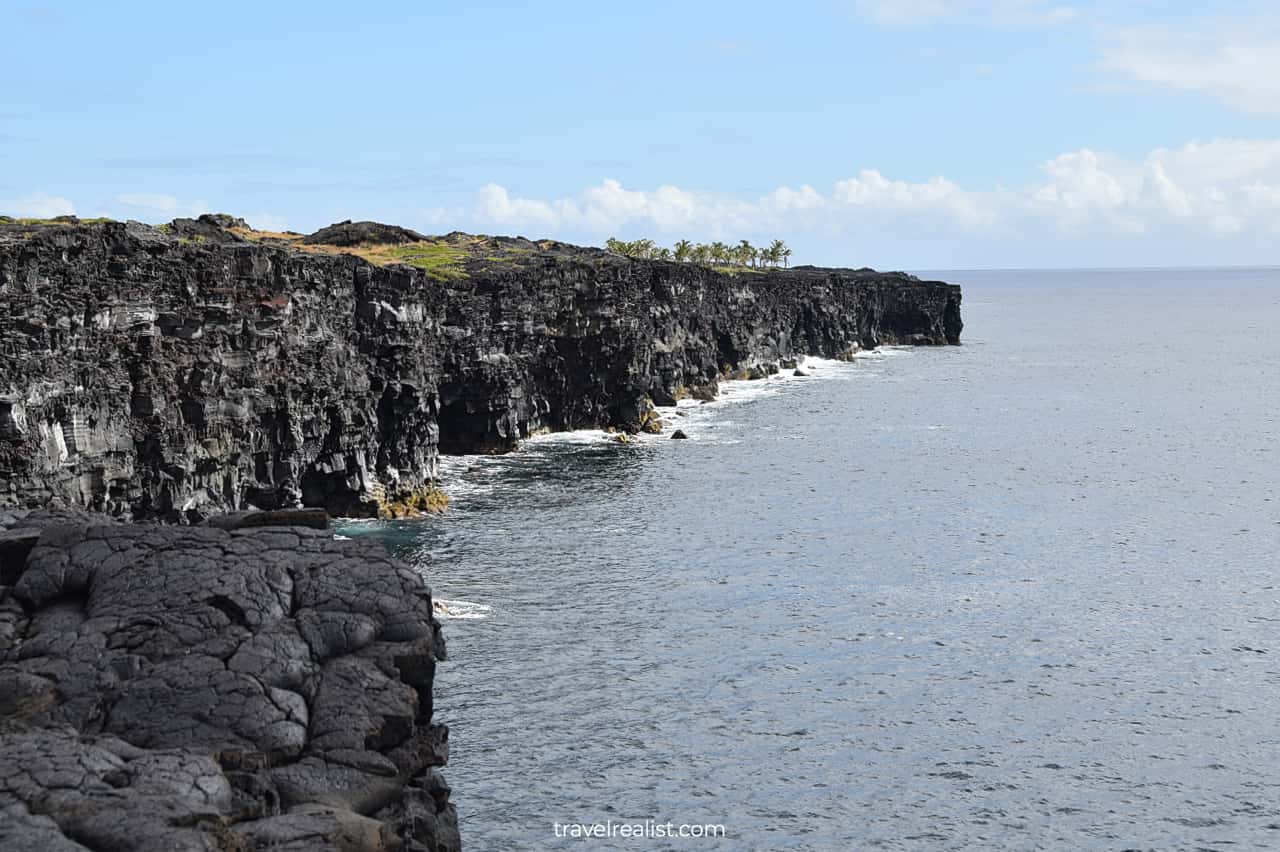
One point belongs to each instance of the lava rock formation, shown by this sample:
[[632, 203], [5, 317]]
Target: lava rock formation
[[202, 367], [191, 688]]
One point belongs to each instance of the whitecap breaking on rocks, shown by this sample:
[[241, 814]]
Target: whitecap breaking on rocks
[[460, 610]]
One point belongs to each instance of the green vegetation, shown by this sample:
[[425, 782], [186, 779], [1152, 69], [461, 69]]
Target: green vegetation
[[439, 260], [742, 256]]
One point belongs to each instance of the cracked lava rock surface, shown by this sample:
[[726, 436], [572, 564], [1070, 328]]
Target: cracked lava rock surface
[[191, 688]]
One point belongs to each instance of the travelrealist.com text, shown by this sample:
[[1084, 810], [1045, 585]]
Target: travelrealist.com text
[[649, 829]]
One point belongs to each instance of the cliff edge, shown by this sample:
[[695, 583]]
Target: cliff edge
[[201, 367]]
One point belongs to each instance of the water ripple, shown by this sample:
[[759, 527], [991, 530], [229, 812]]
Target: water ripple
[[1019, 594]]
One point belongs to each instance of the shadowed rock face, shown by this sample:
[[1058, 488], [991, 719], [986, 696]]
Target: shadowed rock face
[[196, 688], [181, 374]]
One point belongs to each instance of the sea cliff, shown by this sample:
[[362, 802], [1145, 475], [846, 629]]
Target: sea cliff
[[200, 367]]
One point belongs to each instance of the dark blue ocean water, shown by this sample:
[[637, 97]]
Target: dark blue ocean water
[[1019, 594]]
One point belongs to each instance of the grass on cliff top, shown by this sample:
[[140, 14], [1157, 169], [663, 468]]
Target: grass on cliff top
[[439, 260]]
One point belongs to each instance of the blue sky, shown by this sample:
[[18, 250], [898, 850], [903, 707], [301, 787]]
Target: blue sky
[[909, 134]]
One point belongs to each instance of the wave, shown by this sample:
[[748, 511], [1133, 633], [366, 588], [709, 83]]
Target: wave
[[467, 476], [460, 610]]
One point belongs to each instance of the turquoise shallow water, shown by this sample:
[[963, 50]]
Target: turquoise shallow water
[[1017, 594]]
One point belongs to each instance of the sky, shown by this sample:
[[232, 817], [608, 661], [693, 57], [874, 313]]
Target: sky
[[917, 134]]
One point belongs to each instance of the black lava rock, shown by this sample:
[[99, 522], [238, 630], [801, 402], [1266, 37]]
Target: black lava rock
[[184, 372], [189, 688]]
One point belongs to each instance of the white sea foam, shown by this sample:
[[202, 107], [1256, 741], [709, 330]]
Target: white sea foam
[[579, 436], [460, 610], [699, 420]]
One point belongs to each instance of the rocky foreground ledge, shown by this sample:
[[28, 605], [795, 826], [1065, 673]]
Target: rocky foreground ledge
[[196, 688], [180, 371]]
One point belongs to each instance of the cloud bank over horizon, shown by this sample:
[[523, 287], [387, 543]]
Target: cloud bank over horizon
[[1224, 190]]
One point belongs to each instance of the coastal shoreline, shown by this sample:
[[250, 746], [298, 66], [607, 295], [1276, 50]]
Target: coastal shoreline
[[239, 677], [181, 372]]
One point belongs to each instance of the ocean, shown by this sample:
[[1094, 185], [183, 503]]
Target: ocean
[[1021, 593]]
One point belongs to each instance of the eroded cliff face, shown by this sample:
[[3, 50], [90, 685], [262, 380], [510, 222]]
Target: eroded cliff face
[[179, 373]]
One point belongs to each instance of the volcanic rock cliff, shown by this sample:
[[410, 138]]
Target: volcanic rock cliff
[[199, 367]]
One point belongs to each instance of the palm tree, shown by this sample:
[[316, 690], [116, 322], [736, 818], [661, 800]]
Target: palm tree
[[776, 248], [716, 253]]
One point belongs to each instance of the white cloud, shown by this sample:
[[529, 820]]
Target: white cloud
[[38, 205], [1083, 188], [872, 189], [785, 199], [1224, 54], [1230, 185], [1236, 62], [496, 205], [1224, 186], [1199, 189], [998, 13], [610, 207], [1223, 161], [1173, 197], [604, 207], [1078, 181]]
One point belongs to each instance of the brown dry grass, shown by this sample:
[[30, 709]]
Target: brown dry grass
[[259, 236]]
